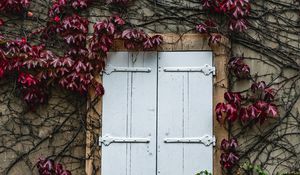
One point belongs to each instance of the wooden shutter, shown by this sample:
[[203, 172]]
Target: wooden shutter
[[129, 114], [157, 113], [184, 112]]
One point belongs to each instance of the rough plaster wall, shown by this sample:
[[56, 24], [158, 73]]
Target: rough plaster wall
[[40, 133], [281, 159], [56, 129], [156, 16], [261, 68]]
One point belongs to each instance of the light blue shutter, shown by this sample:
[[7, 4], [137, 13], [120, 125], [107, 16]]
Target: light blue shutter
[[129, 114], [157, 118], [184, 113]]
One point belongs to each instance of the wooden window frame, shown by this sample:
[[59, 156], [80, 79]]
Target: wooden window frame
[[172, 42]]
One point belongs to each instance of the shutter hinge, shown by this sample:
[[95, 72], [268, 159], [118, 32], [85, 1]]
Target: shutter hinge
[[206, 69], [109, 69], [206, 140], [107, 140]]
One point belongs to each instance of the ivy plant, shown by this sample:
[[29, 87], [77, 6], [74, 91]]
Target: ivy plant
[[205, 172], [251, 169]]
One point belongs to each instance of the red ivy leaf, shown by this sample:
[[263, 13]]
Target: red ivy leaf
[[244, 116], [1, 22], [269, 94], [220, 109], [201, 28], [156, 40], [215, 39], [231, 112], [272, 110], [253, 112], [261, 105], [233, 98]]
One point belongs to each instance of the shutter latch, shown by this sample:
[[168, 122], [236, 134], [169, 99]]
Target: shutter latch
[[107, 140], [206, 140]]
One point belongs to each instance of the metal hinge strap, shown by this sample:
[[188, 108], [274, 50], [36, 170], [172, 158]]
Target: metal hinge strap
[[109, 69], [107, 140], [206, 69], [206, 140]]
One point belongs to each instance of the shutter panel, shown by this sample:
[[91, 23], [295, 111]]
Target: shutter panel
[[184, 112], [129, 114]]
